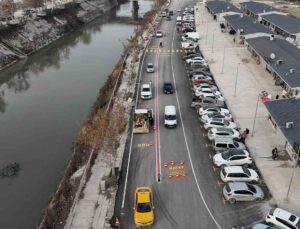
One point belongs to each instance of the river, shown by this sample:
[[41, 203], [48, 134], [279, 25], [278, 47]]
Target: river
[[43, 103]]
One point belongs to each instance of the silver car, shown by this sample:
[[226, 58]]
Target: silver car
[[241, 191], [208, 117], [150, 68], [214, 133]]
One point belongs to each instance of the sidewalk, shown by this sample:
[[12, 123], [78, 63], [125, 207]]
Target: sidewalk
[[251, 80]]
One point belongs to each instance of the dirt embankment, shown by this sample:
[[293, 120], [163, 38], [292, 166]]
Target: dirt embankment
[[101, 131], [35, 32]]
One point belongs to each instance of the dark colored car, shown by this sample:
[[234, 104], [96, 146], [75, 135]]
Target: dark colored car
[[171, 13], [187, 30], [169, 18], [168, 88]]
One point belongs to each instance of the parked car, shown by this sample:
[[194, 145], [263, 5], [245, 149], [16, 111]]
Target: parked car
[[238, 173], [168, 88], [197, 67], [263, 226], [171, 13], [283, 219], [211, 95], [188, 29], [197, 60], [224, 132], [210, 109], [201, 90], [150, 68], [169, 18], [208, 117], [191, 55], [146, 92], [201, 77], [222, 144], [191, 59], [203, 86], [197, 82], [199, 102], [241, 191], [200, 73], [143, 207], [159, 34], [232, 157], [164, 14], [219, 122]]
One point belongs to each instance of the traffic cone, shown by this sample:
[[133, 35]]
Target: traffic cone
[[181, 162], [183, 175], [177, 176], [170, 176], [172, 163], [165, 165]]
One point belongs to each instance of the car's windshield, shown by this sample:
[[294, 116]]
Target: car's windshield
[[143, 207], [246, 171], [236, 144], [150, 65], [251, 188], [226, 154], [170, 117], [168, 85], [146, 89]]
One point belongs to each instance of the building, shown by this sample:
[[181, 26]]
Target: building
[[246, 27], [286, 122], [280, 58], [256, 9], [283, 25], [219, 9]]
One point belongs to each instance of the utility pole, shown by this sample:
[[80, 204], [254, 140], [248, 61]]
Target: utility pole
[[258, 97], [236, 77]]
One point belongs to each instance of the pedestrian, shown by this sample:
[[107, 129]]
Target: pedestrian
[[277, 96], [244, 135], [274, 153]]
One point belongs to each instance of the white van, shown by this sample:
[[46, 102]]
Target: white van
[[170, 116], [178, 20]]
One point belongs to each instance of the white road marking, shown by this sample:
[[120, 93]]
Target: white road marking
[[187, 146], [130, 147]]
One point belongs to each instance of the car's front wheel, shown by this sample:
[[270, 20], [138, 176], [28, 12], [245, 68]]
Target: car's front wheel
[[232, 200]]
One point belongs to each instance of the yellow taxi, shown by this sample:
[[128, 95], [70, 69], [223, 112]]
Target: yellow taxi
[[143, 207]]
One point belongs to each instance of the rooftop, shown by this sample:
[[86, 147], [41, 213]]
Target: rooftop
[[281, 55], [283, 111], [221, 6], [247, 24], [257, 7], [284, 22]]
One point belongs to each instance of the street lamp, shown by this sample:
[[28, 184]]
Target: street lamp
[[254, 121], [236, 77], [293, 173]]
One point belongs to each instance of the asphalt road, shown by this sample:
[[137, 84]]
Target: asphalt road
[[196, 200]]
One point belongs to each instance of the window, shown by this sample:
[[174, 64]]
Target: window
[[221, 145], [223, 134], [285, 223], [231, 146], [245, 192]]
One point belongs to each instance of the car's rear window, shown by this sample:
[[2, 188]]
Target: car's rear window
[[246, 171]]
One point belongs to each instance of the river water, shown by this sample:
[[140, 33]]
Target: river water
[[43, 103]]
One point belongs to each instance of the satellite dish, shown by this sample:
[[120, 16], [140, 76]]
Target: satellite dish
[[272, 56]]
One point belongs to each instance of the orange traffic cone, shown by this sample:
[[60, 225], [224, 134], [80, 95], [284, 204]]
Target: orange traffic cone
[[183, 176], [181, 162], [170, 176], [177, 175], [172, 163]]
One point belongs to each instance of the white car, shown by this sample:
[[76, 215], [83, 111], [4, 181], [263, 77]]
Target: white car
[[232, 157], [225, 132], [190, 60], [283, 219], [208, 117], [210, 95], [201, 77], [198, 61], [238, 173], [201, 90], [146, 92], [201, 86], [208, 110], [150, 68], [159, 34], [219, 122]]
